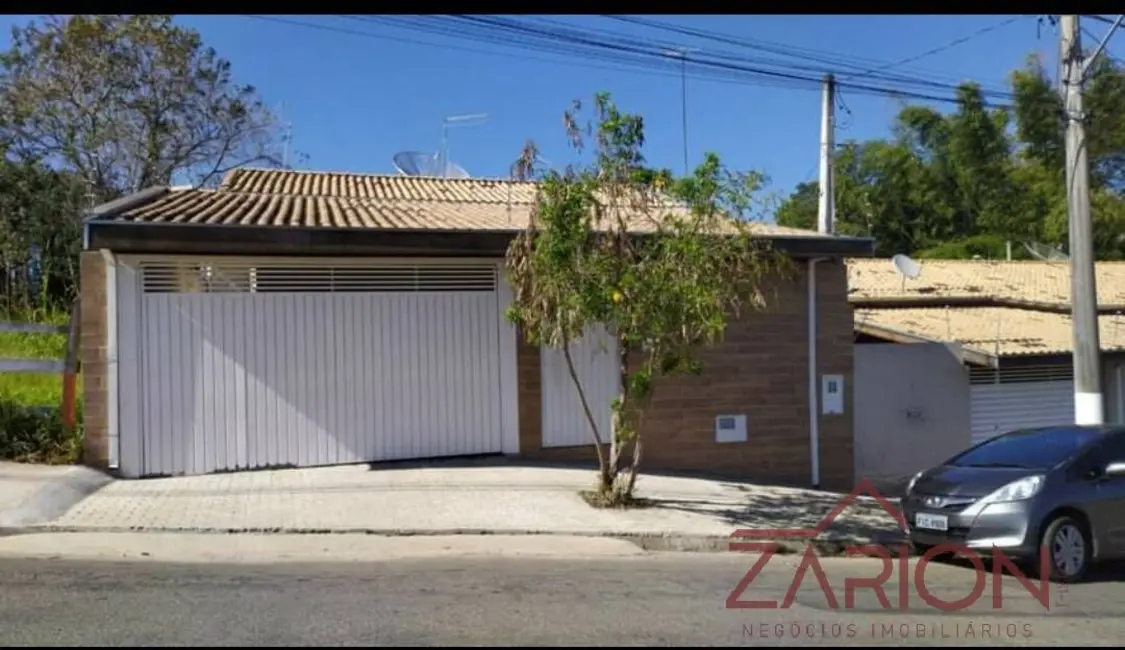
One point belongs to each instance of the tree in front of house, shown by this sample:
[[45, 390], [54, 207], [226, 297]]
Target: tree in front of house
[[661, 262]]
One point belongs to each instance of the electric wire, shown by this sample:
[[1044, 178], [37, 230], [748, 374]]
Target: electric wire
[[633, 54], [515, 34], [833, 61], [942, 48]]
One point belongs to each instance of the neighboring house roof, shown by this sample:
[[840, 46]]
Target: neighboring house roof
[[1018, 283], [988, 331], [990, 309], [301, 199]]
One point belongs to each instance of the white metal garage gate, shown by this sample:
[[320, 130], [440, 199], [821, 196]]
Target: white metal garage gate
[[1020, 397], [251, 365]]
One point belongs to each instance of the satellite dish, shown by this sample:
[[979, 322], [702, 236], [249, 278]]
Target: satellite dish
[[453, 170], [906, 267], [437, 165], [1045, 252], [419, 163], [415, 163]]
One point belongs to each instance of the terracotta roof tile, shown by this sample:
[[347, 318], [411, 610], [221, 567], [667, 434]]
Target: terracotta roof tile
[[992, 330], [262, 197], [1030, 281]]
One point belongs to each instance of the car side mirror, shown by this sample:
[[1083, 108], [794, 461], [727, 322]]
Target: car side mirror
[[1114, 470]]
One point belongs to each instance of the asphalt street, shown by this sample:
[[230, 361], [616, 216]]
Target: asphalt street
[[657, 599]]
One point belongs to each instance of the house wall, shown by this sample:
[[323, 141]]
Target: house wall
[[93, 335], [761, 370], [1113, 385], [912, 410]]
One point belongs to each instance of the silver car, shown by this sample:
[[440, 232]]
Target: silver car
[[1056, 490]]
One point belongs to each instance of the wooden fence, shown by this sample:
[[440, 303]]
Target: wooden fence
[[67, 366]]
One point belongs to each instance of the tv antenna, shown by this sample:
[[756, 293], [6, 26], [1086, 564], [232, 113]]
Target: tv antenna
[[1045, 252], [906, 267], [456, 120]]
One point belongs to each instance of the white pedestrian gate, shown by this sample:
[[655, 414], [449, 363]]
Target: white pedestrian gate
[[1020, 400], [270, 366], [597, 365]]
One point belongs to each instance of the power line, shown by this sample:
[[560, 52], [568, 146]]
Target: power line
[[502, 27], [942, 48], [835, 61], [521, 36], [509, 55]]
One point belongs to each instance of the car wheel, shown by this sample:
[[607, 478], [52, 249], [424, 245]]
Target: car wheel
[[1069, 549]]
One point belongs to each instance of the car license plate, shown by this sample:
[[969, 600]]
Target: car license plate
[[931, 522]]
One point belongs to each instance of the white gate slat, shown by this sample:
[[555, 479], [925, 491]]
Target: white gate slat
[[423, 442], [179, 448], [479, 385], [237, 362], [449, 386], [347, 352], [415, 418], [149, 363], [998, 408], [345, 368], [490, 389], [191, 357], [294, 387]]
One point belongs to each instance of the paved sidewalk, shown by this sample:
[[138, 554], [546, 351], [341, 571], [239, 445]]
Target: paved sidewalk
[[497, 499], [34, 494]]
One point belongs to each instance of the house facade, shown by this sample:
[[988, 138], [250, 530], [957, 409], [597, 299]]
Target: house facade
[[293, 319], [972, 348]]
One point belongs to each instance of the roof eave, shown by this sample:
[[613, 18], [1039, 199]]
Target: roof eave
[[963, 353], [106, 211], [793, 245]]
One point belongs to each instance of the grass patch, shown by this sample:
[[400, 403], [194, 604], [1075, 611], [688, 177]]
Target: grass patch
[[31, 428], [33, 389]]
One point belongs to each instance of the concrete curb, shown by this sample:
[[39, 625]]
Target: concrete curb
[[658, 542], [53, 499]]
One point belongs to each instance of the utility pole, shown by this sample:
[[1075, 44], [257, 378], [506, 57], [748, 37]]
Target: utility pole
[[826, 212], [1089, 404]]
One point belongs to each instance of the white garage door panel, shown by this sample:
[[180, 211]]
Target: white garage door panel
[[250, 380], [189, 341], [998, 408]]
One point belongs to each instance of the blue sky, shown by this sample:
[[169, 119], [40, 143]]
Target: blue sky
[[355, 100]]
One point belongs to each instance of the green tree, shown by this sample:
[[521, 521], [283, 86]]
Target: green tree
[[40, 235], [127, 102], [660, 261]]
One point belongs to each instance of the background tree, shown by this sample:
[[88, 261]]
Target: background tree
[[962, 184], [584, 263], [40, 235], [128, 102], [95, 107]]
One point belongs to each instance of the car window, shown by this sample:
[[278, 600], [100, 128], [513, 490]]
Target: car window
[[1112, 451], [1092, 461], [1028, 448]]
